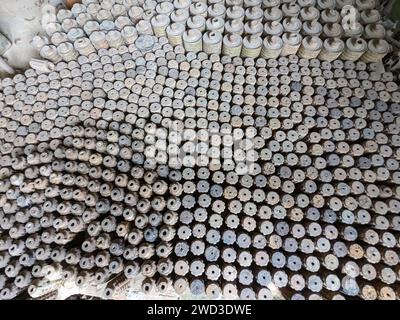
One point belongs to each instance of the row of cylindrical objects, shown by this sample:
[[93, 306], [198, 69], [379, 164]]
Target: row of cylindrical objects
[[85, 46], [292, 25], [233, 45], [309, 47], [199, 8], [214, 9], [179, 4], [194, 41]]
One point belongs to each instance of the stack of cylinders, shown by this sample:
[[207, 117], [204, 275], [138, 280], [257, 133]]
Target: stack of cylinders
[[107, 25], [273, 28], [82, 18], [50, 52], [341, 3], [107, 4], [291, 43], [52, 27], [310, 47], [67, 52], [90, 27], [234, 26], [192, 40], [179, 16], [64, 14], [127, 3], [251, 46], [354, 49], [230, 3], [129, 34], [215, 24], [365, 4], [270, 3], [312, 28], [197, 22], [377, 49], [330, 16], [235, 12], [84, 46], [165, 8], [114, 39], [374, 31], [117, 10], [68, 24], [159, 24], [252, 3], [39, 42], [98, 39], [353, 29], [175, 32], [212, 42], [370, 16], [136, 14], [42, 66], [198, 9], [182, 4], [148, 14], [77, 9], [254, 13], [122, 22], [148, 5], [104, 15], [75, 34], [254, 27], [92, 9], [309, 13], [273, 14], [232, 45], [306, 3], [290, 9], [144, 27], [59, 37], [332, 30], [272, 47], [291, 25], [332, 49], [216, 10]]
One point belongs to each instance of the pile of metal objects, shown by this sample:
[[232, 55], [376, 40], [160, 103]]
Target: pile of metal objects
[[226, 149]]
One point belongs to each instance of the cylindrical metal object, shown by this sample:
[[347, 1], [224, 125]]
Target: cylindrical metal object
[[234, 26], [159, 24], [192, 40], [374, 31], [272, 47], [212, 42], [251, 46], [273, 28], [354, 49], [175, 32], [377, 49], [331, 50], [232, 45], [310, 47], [291, 43], [197, 22]]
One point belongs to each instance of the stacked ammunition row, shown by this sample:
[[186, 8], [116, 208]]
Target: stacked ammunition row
[[326, 29]]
